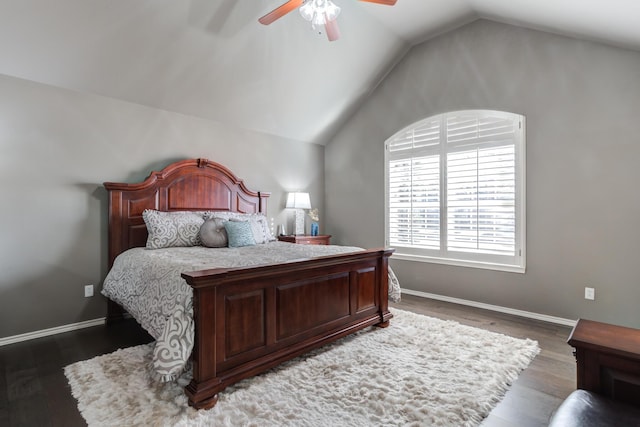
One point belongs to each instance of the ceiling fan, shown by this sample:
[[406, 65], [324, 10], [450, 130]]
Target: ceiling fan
[[318, 12]]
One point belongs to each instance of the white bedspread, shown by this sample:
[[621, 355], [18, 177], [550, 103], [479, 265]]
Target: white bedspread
[[147, 283]]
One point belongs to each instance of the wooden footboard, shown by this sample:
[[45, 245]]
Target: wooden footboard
[[249, 320]]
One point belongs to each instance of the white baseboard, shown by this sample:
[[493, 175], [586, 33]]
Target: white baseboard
[[507, 310], [51, 331]]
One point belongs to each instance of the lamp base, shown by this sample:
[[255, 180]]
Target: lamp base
[[299, 217]]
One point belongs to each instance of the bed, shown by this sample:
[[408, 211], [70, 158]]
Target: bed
[[246, 319]]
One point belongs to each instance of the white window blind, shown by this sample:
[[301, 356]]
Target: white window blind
[[455, 190]]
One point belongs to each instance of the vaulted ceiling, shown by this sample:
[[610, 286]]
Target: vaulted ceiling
[[212, 59]]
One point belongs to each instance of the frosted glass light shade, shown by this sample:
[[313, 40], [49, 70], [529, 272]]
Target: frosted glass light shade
[[332, 11], [298, 201], [307, 10]]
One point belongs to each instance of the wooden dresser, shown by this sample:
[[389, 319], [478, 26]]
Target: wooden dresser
[[608, 360]]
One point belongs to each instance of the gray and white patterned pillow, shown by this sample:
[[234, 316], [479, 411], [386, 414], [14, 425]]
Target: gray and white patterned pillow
[[172, 229], [239, 233]]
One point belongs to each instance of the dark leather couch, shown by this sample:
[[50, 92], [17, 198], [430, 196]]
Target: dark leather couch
[[588, 409]]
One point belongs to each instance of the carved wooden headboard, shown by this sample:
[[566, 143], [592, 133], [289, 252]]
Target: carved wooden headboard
[[194, 184]]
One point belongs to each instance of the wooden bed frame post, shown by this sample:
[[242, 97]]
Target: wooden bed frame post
[[204, 350], [385, 315]]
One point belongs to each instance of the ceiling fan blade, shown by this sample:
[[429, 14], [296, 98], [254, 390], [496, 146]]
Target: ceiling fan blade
[[386, 2], [279, 12], [332, 30]]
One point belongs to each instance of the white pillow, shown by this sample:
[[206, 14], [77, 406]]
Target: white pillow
[[172, 229]]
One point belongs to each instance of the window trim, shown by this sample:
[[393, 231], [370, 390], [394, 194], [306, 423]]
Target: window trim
[[414, 254]]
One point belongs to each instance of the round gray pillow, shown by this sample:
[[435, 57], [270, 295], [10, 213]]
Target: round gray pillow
[[213, 234]]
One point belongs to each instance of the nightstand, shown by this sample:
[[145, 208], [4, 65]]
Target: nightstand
[[303, 239]]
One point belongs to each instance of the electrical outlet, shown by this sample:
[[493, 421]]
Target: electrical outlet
[[589, 293], [88, 291]]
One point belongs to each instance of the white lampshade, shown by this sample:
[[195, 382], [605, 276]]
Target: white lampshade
[[298, 201]]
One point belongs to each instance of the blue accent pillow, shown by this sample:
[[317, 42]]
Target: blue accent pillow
[[239, 233]]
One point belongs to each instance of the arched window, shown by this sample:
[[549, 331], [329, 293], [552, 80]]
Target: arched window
[[455, 190]]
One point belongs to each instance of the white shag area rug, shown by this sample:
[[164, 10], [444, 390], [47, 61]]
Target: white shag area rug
[[419, 371]]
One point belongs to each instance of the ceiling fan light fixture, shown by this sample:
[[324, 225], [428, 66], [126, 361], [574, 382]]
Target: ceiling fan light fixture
[[319, 12]]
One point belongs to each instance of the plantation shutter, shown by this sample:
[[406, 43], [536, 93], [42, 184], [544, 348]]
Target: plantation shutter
[[454, 188], [414, 187], [481, 184]]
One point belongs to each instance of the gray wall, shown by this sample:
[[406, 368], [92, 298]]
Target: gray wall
[[581, 101], [58, 146]]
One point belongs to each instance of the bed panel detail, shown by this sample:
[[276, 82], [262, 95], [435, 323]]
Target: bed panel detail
[[311, 303], [212, 194], [136, 207], [137, 233], [244, 322], [366, 289], [244, 205]]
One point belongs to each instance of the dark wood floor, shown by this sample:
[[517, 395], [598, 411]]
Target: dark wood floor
[[34, 390]]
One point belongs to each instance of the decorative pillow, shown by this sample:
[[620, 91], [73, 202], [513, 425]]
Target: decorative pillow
[[259, 223], [239, 233], [213, 233], [172, 229], [264, 227]]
